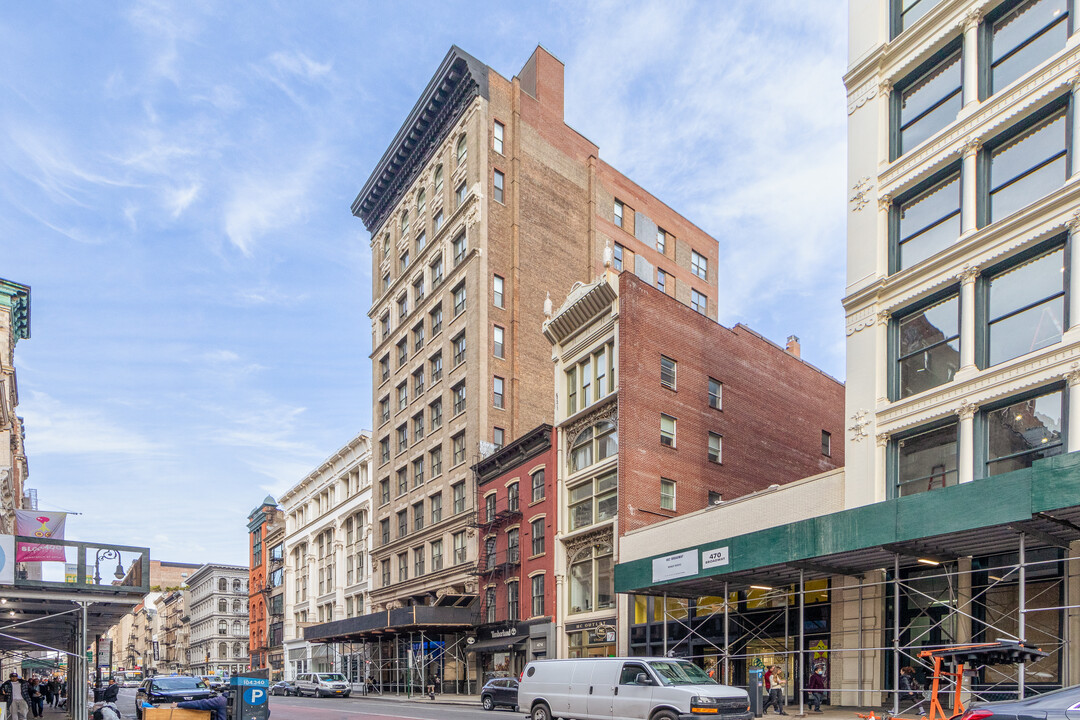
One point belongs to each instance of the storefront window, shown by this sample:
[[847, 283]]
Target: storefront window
[[592, 580]]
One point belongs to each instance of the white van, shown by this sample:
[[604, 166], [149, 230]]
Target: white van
[[632, 688], [322, 685]]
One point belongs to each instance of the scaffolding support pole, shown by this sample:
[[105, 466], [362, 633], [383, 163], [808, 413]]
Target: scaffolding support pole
[[802, 640], [665, 624], [862, 639], [727, 639], [896, 635], [1021, 630]]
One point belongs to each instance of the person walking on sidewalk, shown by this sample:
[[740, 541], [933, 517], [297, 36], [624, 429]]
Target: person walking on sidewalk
[[37, 698], [817, 687], [16, 693], [112, 691], [776, 689], [910, 692]]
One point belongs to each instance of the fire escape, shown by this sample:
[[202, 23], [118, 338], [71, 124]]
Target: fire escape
[[494, 562]]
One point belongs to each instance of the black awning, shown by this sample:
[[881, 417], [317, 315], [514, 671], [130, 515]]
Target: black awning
[[496, 644]]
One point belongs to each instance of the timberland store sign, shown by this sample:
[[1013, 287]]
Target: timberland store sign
[[685, 564]]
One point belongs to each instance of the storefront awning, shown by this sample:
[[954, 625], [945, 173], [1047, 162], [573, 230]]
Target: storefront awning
[[416, 618], [496, 644]]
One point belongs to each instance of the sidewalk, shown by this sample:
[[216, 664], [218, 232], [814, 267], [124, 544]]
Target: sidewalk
[[440, 699]]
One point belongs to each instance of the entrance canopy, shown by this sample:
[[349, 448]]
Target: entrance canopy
[[984, 517], [374, 626]]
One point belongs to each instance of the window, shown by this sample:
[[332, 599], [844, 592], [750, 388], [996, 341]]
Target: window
[[716, 394], [404, 262], [1028, 165], [617, 256], [402, 396], [927, 100], [459, 547], [928, 346], [437, 221], [667, 430], [459, 349], [436, 508], [421, 202], [498, 338], [537, 529], [591, 379], [490, 510], [384, 491], [223, 605], [402, 352], [513, 546], [1026, 306], [1024, 36], [402, 524], [435, 457], [384, 325], [436, 320], [459, 450], [435, 410], [906, 12], [459, 398], [384, 450], [384, 528], [661, 240], [490, 611], [418, 472], [436, 270], [594, 501], [460, 195], [538, 486], [402, 481], [667, 372], [512, 600], [418, 382], [498, 286], [699, 264], [826, 443], [461, 246], [459, 299], [386, 245], [418, 287], [592, 580], [384, 367], [593, 444], [459, 497], [435, 365], [418, 515], [619, 208], [418, 427], [497, 137], [537, 595], [498, 438], [661, 280], [402, 567], [667, 493], [716, 448], [698, 302], [498, 181], [498, 392], [384, 410], [385, 573], [418, 561], [513, 497], [436, 555], [462, 151], [926, 221], [926, 460], [405, 223], [438, 180]]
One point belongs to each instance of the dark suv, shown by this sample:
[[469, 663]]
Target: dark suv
[[499, 691], [170, 689]]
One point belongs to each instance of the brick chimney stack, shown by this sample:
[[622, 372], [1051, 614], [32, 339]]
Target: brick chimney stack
[[793, 346]]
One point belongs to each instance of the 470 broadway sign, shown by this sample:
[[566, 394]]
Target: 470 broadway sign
[[685, 564]]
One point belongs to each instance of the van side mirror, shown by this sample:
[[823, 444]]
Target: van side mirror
[[643, 679]]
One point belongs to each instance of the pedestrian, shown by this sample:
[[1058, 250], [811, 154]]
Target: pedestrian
[[910, 690], [54, 691], [817, 686], [37, 698], [776, 689], [46, 691], [218, 705], [105, 711], [16, 693], [112, 691]]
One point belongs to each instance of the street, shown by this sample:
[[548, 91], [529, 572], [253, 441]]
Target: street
[[293, 708]]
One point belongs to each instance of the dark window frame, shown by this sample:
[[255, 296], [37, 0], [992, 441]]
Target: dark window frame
[[981, 427], [938, 179], [929, 66], [893, 336], [986, 42], [892, 470]]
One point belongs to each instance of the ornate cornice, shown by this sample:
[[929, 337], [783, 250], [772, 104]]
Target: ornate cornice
[[607, 409]]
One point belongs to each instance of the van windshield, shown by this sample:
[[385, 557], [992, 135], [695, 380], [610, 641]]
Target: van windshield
[[331, 677], [680, 672]]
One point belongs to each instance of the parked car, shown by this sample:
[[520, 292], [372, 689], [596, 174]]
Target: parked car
[[626, 689], [1054, 705], [214, 682], [499, 691], [284, 687], [322, 685], [174, 688]]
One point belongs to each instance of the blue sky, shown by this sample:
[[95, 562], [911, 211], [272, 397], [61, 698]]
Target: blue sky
[[175, 183]]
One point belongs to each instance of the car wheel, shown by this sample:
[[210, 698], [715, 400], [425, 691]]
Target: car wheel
[[487, 702], [664, 715], [541, 711], [347, 694]]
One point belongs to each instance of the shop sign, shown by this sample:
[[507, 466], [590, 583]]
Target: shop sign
[[539, 644], [714, 558], [508, 632], [675, 566], [589, 624]]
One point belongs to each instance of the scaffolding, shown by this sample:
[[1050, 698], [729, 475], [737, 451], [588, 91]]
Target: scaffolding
[[924, 599]]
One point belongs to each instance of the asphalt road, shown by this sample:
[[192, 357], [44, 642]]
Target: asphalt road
[[355, 708]]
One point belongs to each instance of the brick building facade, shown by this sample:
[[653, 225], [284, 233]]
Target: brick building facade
[[266, 585]]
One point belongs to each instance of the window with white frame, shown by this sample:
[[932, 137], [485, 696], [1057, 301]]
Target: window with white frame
[[591, 379], [498, 392], [593, 501], [497, 286], [537, 530], [592, 580], [498, 186], [619, 209], [498, 336], [667, 430], [699, 264], [716, 454], [698, 302], [497, 133], [667, 372], [538, 489], [716, 394], [537, 595], [593, 444], [667, 494]]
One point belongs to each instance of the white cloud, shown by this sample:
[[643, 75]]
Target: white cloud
[[264, 201], [54, 427], [298, 64], [178, 199]]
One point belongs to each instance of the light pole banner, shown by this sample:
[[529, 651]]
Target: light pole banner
[[7, 559], [35, 523]]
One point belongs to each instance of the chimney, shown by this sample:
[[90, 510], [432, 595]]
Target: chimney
[[793, 347]]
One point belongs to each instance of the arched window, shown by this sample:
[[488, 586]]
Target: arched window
[[222, 627], [223, 585], [438, 179], [236, 607], [405, 222], [223, 650], [236, 586], [421, 202], [223, 605], [237, 650], [462, 151], [237, 628], [594, 444]]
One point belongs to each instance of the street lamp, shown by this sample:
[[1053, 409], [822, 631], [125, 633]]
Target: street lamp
[[108, 554]]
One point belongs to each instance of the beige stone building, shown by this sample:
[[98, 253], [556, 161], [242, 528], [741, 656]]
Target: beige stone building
[[14, 326], [175, 631]]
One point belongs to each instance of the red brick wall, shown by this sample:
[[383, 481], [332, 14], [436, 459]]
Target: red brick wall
[[256, 602], [774, 409]]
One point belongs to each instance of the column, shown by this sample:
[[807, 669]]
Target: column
[[1074, 268], [1072, 442], [1076, 118], [882, 355], [969, 180], [966, 413], [971, 54], [881, 471], [884, 102], [967, 278], [883, 241]]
